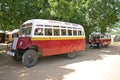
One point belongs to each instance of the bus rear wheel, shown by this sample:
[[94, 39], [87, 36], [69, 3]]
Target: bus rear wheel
[[107, 45], [29, 58], [99, 45], [71, 55]]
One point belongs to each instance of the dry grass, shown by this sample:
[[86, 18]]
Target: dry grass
[[116, 43]]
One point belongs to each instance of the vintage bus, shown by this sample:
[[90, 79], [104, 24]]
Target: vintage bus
[[47, 38], [98, 40]]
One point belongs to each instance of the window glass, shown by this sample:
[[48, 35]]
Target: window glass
[[105, 36], [75, 32], [102, 37], [79, 33], [69, 32], [25, 31], [48, 31], [15, 35], [38, 31], [48, 26], [56, 32], [109, 36], [63, 26], [39, 25], [63, 31], [56, 27]]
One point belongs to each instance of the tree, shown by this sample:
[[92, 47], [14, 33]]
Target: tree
[[105, 13], [93, 15]]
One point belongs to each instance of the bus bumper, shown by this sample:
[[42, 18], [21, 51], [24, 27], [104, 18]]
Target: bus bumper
[[11, 53]]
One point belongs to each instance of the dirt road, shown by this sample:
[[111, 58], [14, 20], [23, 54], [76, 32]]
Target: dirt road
[[92, 64]]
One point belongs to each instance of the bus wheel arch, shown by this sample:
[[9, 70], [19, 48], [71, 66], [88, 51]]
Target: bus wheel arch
[[36, 48], [71, 55]]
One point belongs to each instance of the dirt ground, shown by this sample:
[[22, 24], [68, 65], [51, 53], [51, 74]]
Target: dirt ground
[[92, 64]]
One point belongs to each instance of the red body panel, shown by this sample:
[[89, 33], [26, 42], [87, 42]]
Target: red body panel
[[23, 42], [53, 47], [105, 41]]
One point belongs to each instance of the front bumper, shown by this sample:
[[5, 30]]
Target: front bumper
[[11, 53]]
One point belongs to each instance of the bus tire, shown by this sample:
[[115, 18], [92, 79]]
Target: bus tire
[[71, 55], [100, 45], [107, 46], [29, 58]]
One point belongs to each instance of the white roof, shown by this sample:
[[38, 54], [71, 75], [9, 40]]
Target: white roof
[[51, 22], [1, 31], [14, 31]]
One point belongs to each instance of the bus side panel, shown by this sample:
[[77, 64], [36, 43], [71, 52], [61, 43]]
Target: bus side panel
[[106, 41], [53, 47]]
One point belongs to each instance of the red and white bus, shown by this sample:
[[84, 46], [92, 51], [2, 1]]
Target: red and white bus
[[47, 38], [99, 40]]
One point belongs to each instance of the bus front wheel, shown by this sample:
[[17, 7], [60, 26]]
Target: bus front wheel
[[29, 58]]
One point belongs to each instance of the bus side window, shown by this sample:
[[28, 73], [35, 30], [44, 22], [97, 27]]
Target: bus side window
[[74, 32], [79, 33], [69, 32], [63, 31], [102, 37], [109, 36], [106, 36], [38, 31], [48, 32], [56, 32]]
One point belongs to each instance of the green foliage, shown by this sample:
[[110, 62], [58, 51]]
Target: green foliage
[[94, 15], [116, 43], [115, 29], [105, 13]]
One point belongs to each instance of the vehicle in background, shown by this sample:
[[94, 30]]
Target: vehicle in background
[[2, 36], [11, 35], [46, 38], [99, 40]]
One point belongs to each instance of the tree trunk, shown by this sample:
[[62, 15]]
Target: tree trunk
[[103, 29], [3, 37]]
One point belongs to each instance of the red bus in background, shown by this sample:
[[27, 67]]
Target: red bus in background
[[47, 38], [99, 40]]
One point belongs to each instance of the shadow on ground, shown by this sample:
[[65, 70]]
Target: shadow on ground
[[50, 68]]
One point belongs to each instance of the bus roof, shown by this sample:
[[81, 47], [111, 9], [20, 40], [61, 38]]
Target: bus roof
[[51, 22]]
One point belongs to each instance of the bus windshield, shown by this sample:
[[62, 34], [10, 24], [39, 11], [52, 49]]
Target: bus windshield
[[25, 31]]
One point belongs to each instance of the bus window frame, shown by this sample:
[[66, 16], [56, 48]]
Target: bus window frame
[[64, 27], [38, 26], [76, 32], [62, 32], [51, 34], [69, 29], [39, 33], [72, 29]]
